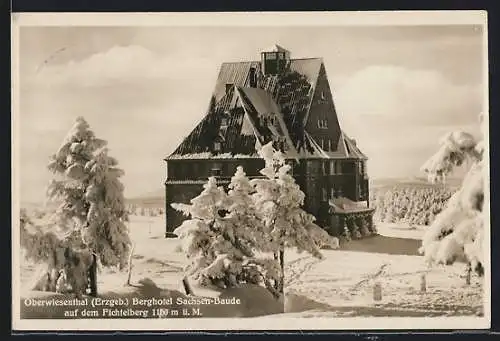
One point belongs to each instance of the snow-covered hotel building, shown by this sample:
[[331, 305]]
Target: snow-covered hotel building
[[287, 101]]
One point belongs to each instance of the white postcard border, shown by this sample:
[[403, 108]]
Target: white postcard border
[[378, 18]]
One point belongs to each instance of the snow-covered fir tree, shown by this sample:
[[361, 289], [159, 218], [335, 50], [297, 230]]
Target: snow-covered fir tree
[[91, 204], [222, 237], [106, 230], [457, 233], [250, 233], [278, 200]]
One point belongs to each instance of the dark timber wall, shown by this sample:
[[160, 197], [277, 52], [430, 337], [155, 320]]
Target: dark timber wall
[[323, 111], [185, 180]]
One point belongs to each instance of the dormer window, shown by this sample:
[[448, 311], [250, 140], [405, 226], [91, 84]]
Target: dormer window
[[217, 146], [323, 97], [223, 122], [253, 77]]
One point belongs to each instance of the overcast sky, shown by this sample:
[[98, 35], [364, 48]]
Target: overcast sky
[[397, 89]]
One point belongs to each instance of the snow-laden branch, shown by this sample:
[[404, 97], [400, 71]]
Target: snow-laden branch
[[456, 234]]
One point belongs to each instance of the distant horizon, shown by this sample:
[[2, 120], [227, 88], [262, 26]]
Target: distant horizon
[[161, 191]]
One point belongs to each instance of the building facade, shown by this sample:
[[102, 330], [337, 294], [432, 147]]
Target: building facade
[[289, 102]]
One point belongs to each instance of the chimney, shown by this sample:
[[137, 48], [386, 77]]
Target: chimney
[[253, 77]]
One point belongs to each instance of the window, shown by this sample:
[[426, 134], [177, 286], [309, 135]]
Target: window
[[324, 168], [323, 97], [217, 146], [339, 192], [223, 122], [324, 194], [332, 167], [323, 124], [338, 165], [216, 169], [270, 55], [329, 145], [332, 192], [322, 144]]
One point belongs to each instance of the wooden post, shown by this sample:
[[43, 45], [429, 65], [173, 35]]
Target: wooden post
[[130, 265], [346, 231], [187, 287], [468, 274], [423, 283], [377, 292]]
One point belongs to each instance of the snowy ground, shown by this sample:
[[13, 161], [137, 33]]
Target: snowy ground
[[343, 283], [339, 285], [157, 272], [154, 257]]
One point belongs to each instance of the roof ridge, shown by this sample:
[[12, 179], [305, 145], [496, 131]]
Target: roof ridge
[[258, 61]]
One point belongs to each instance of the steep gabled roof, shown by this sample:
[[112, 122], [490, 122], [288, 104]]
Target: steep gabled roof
[[346, 149], [285, 99], [236, 73], [353, 150], [309, 67]]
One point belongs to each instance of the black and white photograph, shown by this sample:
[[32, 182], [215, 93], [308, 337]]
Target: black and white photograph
[[269, 170]]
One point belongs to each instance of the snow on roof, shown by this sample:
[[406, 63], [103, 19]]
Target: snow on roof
[[262, 102], [275, 48], [345, 205], [244, 131], [208, 155], [309, 67], [352, 148], [346, 149], [316, 149]]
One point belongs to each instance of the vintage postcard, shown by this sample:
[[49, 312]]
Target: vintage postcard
[[250, 171]]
